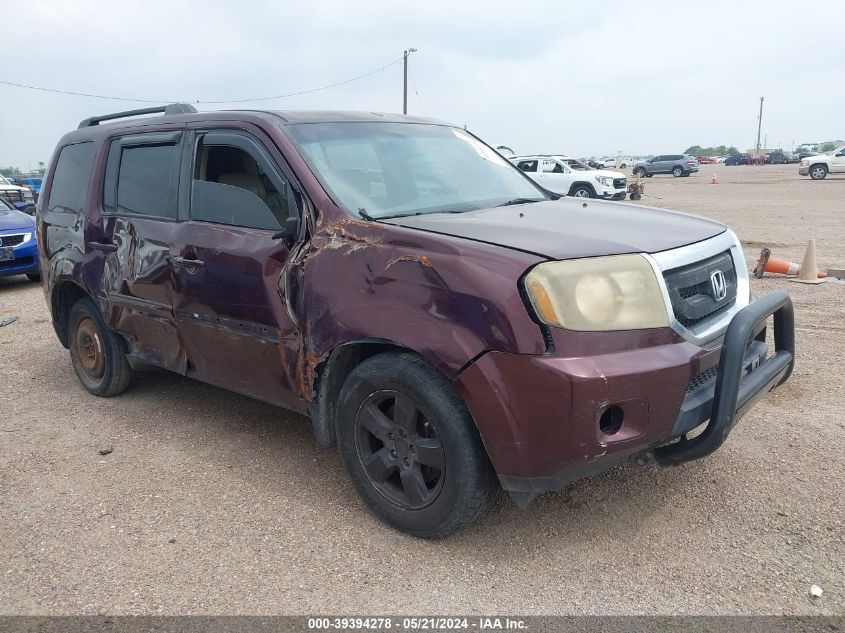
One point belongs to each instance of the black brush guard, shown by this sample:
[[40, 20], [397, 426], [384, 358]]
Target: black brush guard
[[736, 391]]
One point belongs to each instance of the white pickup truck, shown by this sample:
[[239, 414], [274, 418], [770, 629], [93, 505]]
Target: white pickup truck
[[22, 198], [818, 167], [570, 177]]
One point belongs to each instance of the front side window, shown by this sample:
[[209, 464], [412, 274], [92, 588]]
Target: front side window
[[395, 169], [70, 178], [235, 185]]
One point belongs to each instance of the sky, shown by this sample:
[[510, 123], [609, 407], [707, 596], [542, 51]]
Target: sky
[[579, 78]]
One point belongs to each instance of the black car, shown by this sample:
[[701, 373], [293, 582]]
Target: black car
[[781, 158], [738, 159]]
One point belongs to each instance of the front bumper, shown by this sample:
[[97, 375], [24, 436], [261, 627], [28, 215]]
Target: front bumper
[[804, 171], [542, 417], [26, 258]]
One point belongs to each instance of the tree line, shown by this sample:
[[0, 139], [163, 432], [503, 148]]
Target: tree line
[[697, 150]]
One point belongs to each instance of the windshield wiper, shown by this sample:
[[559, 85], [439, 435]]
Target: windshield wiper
[[520, 201], [363, 213]]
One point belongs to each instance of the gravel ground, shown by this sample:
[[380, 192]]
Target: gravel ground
[[213, 503]]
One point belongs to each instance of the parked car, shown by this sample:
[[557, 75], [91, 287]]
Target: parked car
[[738, 159], [778, 158], [818, 167], [675, 164], [706, 160], [33, 182], [449, 324], [570, 177], [14, 194], [18, 254]]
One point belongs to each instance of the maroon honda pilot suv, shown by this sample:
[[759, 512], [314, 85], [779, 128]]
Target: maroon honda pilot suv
[[450, 325]]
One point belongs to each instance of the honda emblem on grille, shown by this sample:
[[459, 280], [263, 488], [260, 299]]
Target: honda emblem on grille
[[719, 285]]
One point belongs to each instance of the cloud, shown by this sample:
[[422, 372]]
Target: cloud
[[586, 79]]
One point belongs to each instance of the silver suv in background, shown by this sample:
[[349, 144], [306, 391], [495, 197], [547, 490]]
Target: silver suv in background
[[676, 164]]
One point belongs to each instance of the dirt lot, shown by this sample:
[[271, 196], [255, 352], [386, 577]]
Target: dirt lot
[[213, 503]]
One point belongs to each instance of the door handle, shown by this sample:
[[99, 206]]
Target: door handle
[[106, 247], [188, 262]]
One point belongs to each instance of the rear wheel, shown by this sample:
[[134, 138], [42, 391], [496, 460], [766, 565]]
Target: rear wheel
[[818, 172], [677, 172], [98, 354], [582, 191], [411, 447]]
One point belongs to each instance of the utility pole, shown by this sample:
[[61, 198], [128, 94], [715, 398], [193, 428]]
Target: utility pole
[[759, 124], [405, 83]]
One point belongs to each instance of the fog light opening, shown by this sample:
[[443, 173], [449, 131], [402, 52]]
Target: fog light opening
[[611, 420]]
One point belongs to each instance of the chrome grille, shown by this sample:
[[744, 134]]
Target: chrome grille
[[620, 183], [692, 292]]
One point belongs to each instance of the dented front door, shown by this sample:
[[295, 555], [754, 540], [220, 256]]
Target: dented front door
[[227, 265]]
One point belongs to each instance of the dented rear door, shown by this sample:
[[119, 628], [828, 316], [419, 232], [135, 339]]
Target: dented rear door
[[139, 210]]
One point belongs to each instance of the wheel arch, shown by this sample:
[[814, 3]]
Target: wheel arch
[[331, 373], [581, 183], [63, 296]]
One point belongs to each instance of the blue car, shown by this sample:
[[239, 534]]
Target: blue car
[[18, 250], [33, 182]]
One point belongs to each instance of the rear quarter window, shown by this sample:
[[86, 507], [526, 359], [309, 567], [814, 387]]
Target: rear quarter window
[[70, 178]]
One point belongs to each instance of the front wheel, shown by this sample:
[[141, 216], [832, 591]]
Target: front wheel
[[583, 191], [411, 447], [818, 172], [677, 172], [640, 172], [98, 354]]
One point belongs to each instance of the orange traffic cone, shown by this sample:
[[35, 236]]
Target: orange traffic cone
[[768, 264], [713, 180], [809, 272]]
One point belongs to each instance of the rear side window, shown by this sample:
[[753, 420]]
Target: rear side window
[[70, 178], [142, 179]]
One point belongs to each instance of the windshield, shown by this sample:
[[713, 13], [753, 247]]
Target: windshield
[[576, 165], [389, 169]]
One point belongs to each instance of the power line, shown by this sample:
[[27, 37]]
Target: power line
[[217, 102]]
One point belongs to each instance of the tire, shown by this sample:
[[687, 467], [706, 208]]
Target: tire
[[34, 276], [98, 354], [640, 172], [428, 493], [582, 191], [677, 172], [649, 175], [818, 172]]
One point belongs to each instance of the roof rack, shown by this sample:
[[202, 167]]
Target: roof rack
[[173, 108]]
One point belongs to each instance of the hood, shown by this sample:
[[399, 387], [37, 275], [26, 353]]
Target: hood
[[569, 228], [607, 173], [15, 220]]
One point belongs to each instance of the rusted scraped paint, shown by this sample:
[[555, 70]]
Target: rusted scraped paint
[[420, 259]]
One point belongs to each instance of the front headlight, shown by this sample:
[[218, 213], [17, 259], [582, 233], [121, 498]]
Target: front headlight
[[805, 163], [618, 292], [604, 181]]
